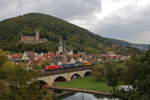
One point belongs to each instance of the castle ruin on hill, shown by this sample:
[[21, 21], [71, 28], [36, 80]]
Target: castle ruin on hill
[[33, 39]]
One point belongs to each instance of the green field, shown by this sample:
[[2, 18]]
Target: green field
[[86, 83]]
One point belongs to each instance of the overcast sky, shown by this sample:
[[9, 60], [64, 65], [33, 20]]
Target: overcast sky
[[120, 19]]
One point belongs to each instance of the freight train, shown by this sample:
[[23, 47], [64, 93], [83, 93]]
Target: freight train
[[62, 66]]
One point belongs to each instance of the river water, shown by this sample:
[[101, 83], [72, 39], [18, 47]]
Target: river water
[[87, 96], [82, 96]]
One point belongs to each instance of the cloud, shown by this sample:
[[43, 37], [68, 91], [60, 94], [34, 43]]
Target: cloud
[[143, 38], [127, 26], [120, 19], [128, 22], [69, 8], [12, 8], [66, 9]]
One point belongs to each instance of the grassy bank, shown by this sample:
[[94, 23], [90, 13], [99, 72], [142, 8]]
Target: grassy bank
[[86, 83]]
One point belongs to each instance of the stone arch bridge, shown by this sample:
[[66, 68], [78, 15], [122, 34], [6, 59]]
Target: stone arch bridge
[[50, 77]]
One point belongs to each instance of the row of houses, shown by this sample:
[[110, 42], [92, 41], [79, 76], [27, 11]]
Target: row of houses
[[63, 55], [32, 57]]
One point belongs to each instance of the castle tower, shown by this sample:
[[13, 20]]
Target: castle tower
[[37, 36], [60, 48]]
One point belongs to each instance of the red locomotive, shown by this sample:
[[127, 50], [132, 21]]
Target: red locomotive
[[52, 67]]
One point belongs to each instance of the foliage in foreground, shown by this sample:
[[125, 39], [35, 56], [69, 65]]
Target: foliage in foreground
[[15, 82], [111, 72], [134, 72]]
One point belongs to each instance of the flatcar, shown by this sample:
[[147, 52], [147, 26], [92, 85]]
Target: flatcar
[[71, 65], [79, 64], [67, 65]]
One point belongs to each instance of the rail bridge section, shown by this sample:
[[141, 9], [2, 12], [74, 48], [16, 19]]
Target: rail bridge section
[[50, 77]]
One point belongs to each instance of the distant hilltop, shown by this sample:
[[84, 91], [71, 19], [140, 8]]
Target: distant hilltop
[[21, 28]]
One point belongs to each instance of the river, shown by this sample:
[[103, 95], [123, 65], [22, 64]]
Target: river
[[86, 96], [82, 96]]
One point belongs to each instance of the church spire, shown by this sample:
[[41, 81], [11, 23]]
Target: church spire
[[60, 42], [60, 48], [65, 54], [37, 36]]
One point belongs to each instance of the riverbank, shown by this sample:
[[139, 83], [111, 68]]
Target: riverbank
[[88, 83], [82, 90]]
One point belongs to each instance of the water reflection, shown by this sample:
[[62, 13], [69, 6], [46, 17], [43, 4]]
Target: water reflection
[[87, 96]]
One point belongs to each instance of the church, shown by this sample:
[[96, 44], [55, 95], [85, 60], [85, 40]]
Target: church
[[62, 48], [63, 52]]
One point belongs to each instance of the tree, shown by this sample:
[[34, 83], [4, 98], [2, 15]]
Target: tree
[[8, 65], [120, 70], [143, 76], [3, 57], [131, 71], [18, 80], [110, 72], [112, 76], [3, 86], [99, 72], [15, 83], [138, 76]]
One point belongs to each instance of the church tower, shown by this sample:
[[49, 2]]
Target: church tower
[[60, 48], [65, 54], [22, 38], [37, 36]]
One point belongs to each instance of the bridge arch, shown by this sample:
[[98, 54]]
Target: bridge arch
[[88, 73], [59, 79], [51, 78], [75, 76]]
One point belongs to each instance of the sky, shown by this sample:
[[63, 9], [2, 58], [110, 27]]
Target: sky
[[127, 20]]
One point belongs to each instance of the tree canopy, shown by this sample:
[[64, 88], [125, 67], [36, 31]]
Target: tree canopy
[[15, 82], [133, 72]]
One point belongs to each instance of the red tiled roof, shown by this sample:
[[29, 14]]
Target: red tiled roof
[[37, 58], [16, 55]]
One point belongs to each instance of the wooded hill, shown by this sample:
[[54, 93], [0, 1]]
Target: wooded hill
[[52, 29]]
